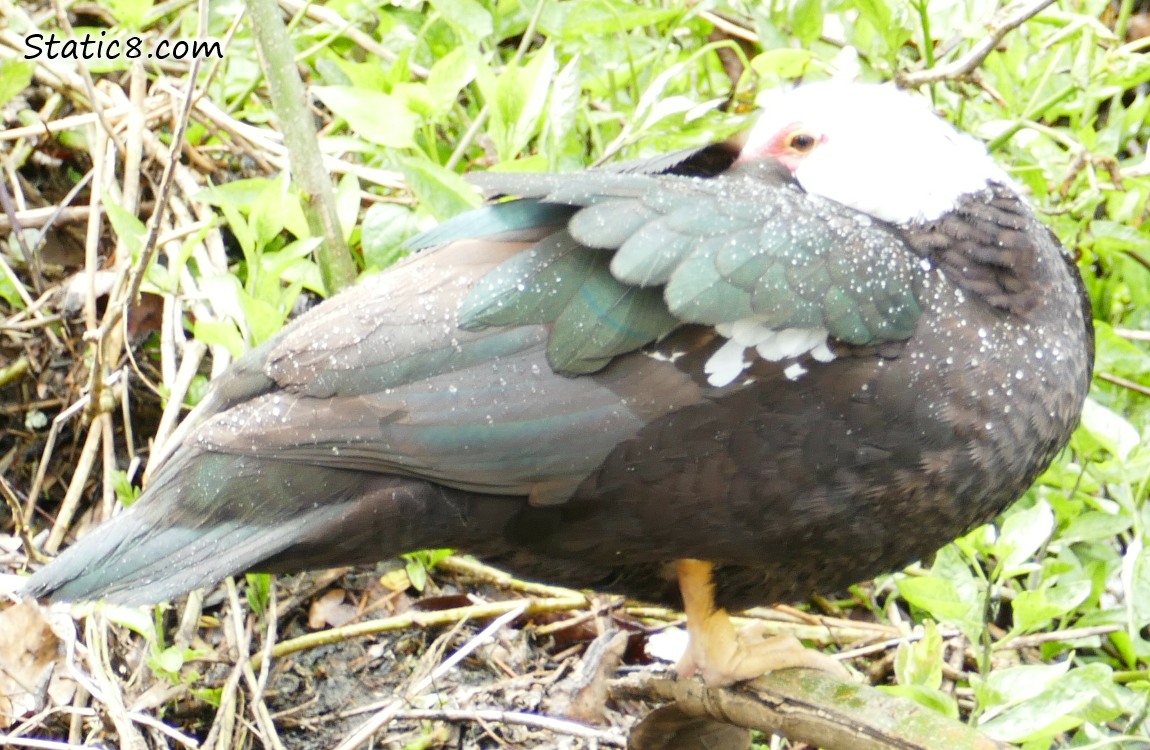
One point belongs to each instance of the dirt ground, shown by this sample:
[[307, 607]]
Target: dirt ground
[[415, 667]]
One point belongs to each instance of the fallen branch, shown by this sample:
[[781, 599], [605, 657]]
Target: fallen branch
[[813, 707]]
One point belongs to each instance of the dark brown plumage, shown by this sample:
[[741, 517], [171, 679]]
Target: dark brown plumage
[[803, 391]]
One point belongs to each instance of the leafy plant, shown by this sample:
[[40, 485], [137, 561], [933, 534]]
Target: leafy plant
[[419, 564]]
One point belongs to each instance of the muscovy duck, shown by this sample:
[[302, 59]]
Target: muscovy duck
[[726, 377]]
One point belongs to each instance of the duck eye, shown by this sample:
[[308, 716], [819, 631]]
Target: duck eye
[[801, 142]]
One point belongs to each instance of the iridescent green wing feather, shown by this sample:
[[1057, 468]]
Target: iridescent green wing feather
[[642, 254]]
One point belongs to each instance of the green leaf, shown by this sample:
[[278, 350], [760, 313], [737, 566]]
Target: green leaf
[[1035, 609], [1136, 583], [1095, 525], [263, 319], [919, 663], [1111, 235], [15, 77], [941, 599], [1126, 647], [784, 62], [168, 662], [807, 21], [129, 229], [563, 146], [238, 193], [1010, 686], [599, 18], [440, 190], [887, 20], [130, 13], [418, 564], [136, 619], [273, 208], [1110, 429], [268, 202], [932, 698], [1023, 533], [470, 19], [197, 390], [1087, 691], [416, 573], [449, 75], [9, 292], [386, 226], [220, 332], [259, 592], [1116, 354], [378, 117], [347, 204], [517, 98], [292, 265], [126, 492]]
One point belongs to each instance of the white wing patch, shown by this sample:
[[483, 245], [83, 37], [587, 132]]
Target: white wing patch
[[726, 364], [795, 371], [730, 359]]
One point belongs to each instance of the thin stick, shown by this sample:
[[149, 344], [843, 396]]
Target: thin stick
[[10, 208], [109, 693], [108, 443], [1132, 334], [729, 28], [49, 449], [34, 218], [326, 15], [1123, 382], [21, 528], [154, 723], [162, 197], [179, 386], [259, 707], [224, 722], [422, 620], [365, 730], [61, 125], [475, 569], [963, 67], [484, 636], [39, 744], [133, 156], [535, 721], [75, 488], [1070, 634], [102, 154]]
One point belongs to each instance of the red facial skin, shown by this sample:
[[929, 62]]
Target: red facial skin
[[789, 146]]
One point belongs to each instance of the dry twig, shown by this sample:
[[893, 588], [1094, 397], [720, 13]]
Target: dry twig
[[604, 737], [423, 620], [815, 708], [962, 68]]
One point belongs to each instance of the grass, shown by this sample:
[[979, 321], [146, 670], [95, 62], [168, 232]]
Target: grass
[[1035, 628]]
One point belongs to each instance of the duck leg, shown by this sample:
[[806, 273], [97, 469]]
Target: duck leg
[[722, 655]]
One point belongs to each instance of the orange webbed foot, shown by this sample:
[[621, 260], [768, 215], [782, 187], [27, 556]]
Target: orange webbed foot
[[722, 655]]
